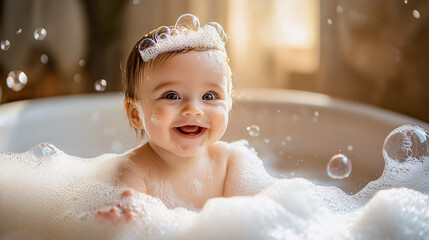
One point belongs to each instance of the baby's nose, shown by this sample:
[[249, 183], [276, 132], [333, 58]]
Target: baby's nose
[[192, 109]]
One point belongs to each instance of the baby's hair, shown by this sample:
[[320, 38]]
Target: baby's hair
[[136, 68]]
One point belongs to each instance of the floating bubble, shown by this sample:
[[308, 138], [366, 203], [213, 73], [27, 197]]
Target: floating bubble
[[146, 43], [43, 150], [5, 45], [135, 2], [82, 63], [162, 32], [16, 80], [266, 140], [339, 9], [100, 85], [329, 21], [416, 14], [407, 143], [187, 21], [219, 30], [288, 138], [19, 31], [253, 130], [44, 58], [339, 167], [77, 78], [117, 146], [405, 1], [40, 34], [350, 147]]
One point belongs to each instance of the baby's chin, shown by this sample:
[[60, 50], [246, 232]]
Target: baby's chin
[[190, 151]]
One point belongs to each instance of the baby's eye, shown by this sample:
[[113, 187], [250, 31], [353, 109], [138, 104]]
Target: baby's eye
[[171, 96], [209, 96]]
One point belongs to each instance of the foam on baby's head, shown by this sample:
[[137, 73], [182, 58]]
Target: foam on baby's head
[[186, 34]]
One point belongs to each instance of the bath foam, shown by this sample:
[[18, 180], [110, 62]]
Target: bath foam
[[55, 196]]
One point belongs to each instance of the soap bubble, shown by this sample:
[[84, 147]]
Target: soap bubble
[[82, 62], [19, 31], [406, 143], [40, 34], [146, 43], [100, 85], [43, 150], [219, 30], [44, 58], [253, 130], [77, 78], [339, 9], [339, 167], [416, 14], [5, 45], [187, 21], [117, 146], [329, 21], [162, 32], [16, 80]]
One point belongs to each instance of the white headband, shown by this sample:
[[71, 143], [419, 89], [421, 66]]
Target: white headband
[[185, 34]]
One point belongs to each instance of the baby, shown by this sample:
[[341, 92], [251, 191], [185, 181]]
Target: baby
[[178, 95]]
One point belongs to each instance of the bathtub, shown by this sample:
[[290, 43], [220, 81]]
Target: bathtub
[[299, 131]]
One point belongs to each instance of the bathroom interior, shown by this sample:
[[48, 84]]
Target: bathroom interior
[[312, 79]]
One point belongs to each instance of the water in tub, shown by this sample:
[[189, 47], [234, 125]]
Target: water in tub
[[47, 194]]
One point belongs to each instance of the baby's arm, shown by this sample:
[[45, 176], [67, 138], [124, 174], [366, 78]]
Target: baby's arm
[[245, 174]]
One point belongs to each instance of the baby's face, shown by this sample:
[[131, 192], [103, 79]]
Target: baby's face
[[186, 102]]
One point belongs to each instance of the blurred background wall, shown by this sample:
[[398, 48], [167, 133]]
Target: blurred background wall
[[371, 51]]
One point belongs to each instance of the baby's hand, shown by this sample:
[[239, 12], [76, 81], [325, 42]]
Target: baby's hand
[[121, 212]]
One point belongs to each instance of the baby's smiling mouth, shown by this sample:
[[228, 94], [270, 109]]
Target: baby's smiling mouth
[[191, 130]]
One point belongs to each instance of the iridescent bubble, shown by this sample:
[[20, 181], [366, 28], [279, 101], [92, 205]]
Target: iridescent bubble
[[253, 130], [40, 34], [100, 85], [19, 31], [329, 21], [339, 167], [219, 30], [135, 2], [44, 58], [43, 150], [162, 32], [146, 43], [187, 21], [16, 80], [407, 143], [416, 14], [82, 62], [5, 45]]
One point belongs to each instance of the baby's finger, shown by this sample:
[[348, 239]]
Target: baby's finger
[[127, 193], [129, 216]]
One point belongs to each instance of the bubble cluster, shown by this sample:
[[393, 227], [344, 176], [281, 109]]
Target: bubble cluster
[[5, 45], [40, 34], [339, 167], [16, 80], [253, 130], [100, 85], [407, 143]]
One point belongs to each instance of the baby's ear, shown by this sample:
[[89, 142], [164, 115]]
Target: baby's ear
[[132, 112]]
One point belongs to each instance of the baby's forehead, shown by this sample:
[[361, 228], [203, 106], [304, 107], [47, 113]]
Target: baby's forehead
[[194, 61]]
